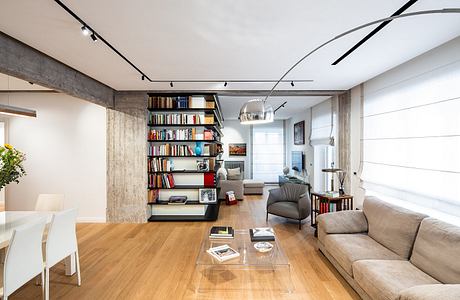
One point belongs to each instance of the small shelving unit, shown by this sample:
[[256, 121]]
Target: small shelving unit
[[182, 122]]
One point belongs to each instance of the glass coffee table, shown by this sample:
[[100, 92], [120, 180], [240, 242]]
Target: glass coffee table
[[252, 270]]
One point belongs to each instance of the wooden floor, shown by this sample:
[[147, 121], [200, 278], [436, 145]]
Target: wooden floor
[[156, 260]]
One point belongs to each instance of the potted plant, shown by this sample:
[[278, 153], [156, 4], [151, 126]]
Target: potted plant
[[11, 168]]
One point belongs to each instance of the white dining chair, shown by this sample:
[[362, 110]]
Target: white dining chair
[[61, 242], [50, 202], [24, 257]]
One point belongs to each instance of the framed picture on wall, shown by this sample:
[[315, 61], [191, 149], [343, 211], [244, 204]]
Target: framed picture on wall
[[299, 133], [237, 149]]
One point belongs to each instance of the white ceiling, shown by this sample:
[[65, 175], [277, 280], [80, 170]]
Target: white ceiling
[[240, 39], [231, 105]]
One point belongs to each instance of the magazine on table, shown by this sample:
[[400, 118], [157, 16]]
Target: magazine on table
[[221, 232], [261, 234], [223, 253]]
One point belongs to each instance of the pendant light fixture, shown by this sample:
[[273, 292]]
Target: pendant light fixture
[[257, 111], [14, 110]]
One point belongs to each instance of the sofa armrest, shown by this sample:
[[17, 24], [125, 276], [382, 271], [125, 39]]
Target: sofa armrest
[[431, 292], [274, 195], [349, 221]]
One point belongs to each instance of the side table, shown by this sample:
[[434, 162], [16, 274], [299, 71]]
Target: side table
[[321, 203]]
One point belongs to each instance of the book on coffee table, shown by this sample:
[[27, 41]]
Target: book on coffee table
[[221, 232], [223, 253], [262, 234]]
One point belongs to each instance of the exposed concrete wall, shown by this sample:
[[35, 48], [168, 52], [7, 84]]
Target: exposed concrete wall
[[20, 60], [126, 159]]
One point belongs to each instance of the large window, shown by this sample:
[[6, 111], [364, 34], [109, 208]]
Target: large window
[[268, 151], [411, 142]]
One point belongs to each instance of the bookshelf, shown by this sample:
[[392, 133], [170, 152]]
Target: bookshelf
[[183, 153]]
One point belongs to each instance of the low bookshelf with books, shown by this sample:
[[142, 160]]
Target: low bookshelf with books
[[184, 143]]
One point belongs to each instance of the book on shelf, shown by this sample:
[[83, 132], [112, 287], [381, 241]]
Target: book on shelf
[[161, 181], [172, 134], [262, 234], [168, 149], [159, 164], [153, 196], [176, 119], [221, 232], [210, 104], [209, 119], [223, 253], [168, 102], [208, 135], [331, 194], [177, 200], [197, 102], [209, 180]]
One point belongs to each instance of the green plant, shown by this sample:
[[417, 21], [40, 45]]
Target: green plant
[[11, 168]]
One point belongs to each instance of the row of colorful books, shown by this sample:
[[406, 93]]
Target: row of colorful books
[[168, 149], [180, 102], [325, 207], [161, 181], [159, 164], [180, 119], [180, 134]]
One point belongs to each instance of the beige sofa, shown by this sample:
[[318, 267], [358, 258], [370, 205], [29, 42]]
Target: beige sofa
[[388, 252]]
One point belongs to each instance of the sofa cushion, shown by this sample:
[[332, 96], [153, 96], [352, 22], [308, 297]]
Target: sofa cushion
[[286, 209], [385, 279], [234, 174], [391, 225], [431, 292], [348, 248], [437, 250]]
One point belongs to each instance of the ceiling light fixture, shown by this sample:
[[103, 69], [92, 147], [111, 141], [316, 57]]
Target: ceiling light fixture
[[94, 37], [292, 83], [85, 31], [142, 77], [225, 83], [256, 111], [171, 84]]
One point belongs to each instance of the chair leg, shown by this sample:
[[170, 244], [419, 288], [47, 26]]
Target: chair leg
[[77, 264], [300, 224], [47, 283], [266, 218]]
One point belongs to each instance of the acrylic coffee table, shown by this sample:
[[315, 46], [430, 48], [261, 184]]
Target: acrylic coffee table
[[252, 270]]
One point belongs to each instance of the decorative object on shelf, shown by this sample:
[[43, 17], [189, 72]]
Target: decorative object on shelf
[[341, 175], [286, 170], [237, 149], [198, 148], [299, 133], [255, 111], [202, 164], [222, 173], [333, 171], [207, 195], [263, 246], [11, 168]]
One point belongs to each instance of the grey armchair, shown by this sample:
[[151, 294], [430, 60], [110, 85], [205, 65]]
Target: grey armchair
[[290, 201]]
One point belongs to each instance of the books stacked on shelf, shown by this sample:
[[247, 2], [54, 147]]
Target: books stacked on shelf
[[208, 135], [211, 149], [223, 253], [197, 102], [159, 164], [221, 232], [168, 102], [325, 207], [153, 196], [177, 200], [161, 181], [179, 119], [172, 134], [262, 234], [209, 180], [332, 194], [168, 149], [210, 104]]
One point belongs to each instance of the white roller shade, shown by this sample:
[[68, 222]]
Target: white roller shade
[[322, 122], [411, 140]]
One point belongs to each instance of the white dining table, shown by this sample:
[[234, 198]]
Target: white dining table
[[9, 220]]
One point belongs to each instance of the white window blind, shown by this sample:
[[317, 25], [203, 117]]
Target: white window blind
[[322, 124], [411, 141], [268, 151]]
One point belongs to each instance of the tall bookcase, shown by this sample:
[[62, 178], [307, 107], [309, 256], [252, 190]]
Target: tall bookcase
[[184, 150]]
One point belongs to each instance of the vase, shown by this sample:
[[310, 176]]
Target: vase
[[198, 149]]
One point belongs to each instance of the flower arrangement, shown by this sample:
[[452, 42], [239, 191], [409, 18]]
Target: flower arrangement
[[11, 168]]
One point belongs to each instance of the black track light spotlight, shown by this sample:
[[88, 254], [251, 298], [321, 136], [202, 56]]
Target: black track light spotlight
[[31, 83], [171, 84], [94, 37], [142, 77], [85, 31], [292, 83], [225, 83]]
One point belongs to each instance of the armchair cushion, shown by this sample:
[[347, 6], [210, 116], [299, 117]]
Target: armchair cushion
[[431, 292], [350, 221], [286, 209], [234, 174]]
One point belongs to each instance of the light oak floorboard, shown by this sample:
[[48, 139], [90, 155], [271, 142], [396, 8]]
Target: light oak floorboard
[[157, 260]]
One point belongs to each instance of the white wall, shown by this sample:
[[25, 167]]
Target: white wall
[[407, 73], [234, 132], [66, 153], [304, 115]]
